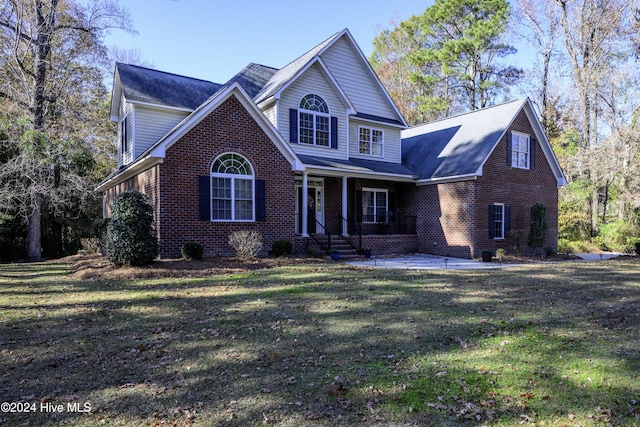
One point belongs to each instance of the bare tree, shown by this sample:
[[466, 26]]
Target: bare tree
[[48, 48]]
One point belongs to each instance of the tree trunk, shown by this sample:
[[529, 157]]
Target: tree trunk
[[34, 229]]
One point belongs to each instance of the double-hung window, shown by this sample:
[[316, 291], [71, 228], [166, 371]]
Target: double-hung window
[[232, 189], [498, 221], [375, 205], [520, 150], [370, 141], [314, 121]]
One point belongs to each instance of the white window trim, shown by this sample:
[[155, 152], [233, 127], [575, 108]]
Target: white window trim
[[375, 216], [315, 130], [515, 164], [370, 154], [233, 178], [493, 222]]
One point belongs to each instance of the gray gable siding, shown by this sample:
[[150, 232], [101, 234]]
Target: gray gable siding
[[361, 89]]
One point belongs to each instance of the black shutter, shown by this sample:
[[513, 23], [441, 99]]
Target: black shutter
[[293, 125], [204, 184], [509, 148], [334, 132], [532, 153], [507, 221], [492, 214], [261, 200], [392, 204], [358, 205]]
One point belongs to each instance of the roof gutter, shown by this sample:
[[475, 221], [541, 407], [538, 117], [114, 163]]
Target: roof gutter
[[340, 172], [135, 168], [447, 179]]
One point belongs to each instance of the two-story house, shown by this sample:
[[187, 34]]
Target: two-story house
[[318, 149]]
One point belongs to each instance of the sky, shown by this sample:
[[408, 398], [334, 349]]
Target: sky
[[214, 39]]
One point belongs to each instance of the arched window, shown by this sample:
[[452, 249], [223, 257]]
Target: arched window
[[313, 121], [232, 189]]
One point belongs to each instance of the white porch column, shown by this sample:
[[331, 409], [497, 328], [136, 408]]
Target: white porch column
[[345, 231], [304, 205]]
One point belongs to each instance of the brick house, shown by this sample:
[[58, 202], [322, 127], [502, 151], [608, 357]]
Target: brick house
[[318, 153]]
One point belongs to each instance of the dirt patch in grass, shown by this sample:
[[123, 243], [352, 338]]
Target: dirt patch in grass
[[98, 267]]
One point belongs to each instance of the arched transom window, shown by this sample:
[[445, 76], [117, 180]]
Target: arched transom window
[[232, 190], [314, 121]]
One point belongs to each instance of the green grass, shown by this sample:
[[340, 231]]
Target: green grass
[[309, 345]]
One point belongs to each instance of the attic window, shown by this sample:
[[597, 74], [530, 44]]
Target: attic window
[[313, 121], [520, 149]]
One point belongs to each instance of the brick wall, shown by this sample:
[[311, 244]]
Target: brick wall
[[146, 183], [453, 218], [230, 128], [173, 189]]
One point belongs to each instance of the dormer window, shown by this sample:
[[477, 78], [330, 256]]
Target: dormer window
[[314, 121]]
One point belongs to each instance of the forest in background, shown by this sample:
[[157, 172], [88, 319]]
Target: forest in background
[[459, 55], [56, 141]]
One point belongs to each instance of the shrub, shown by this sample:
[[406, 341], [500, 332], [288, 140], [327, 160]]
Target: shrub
[[538, 230], [282, 247], [130, 235], [191, 251], [247, 244], [615, 236], [636, 247], [549, 251], [99, 230]]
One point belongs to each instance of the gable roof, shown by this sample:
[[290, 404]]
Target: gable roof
[[146, 86], [457, 148], [156, 153], [253, 78], [284, 77], [286, 74]]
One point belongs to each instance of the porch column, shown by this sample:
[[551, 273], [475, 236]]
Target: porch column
[[304, 208], [345, 230]]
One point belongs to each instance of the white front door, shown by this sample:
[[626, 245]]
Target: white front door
[[314, 203]]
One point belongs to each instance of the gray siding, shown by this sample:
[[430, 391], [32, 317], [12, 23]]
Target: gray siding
[[313, 81], [361, 88], [391, 147], [151, 124]]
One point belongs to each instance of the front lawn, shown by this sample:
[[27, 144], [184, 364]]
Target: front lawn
[[314, 344]]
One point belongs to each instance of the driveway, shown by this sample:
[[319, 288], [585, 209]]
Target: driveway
[[434, 262]]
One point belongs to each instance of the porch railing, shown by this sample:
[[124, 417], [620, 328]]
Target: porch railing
[[381, 224]]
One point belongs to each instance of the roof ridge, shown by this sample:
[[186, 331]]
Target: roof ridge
[[521, 100]]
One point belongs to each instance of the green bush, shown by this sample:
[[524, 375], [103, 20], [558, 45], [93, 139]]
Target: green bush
[[636, 247], [566, 246], [282, 247], [130, 235], [538, 230], [191, 251], [616, 236]]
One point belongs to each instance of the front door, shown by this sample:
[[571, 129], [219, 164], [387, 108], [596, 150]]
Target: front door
[[313, 204]]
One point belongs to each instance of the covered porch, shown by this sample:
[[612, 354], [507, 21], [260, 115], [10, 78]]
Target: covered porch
[[363, 209]]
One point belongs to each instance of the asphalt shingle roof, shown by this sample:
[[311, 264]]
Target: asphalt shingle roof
[[358, 165], [457, 145], [253, 78], [157, 87]]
